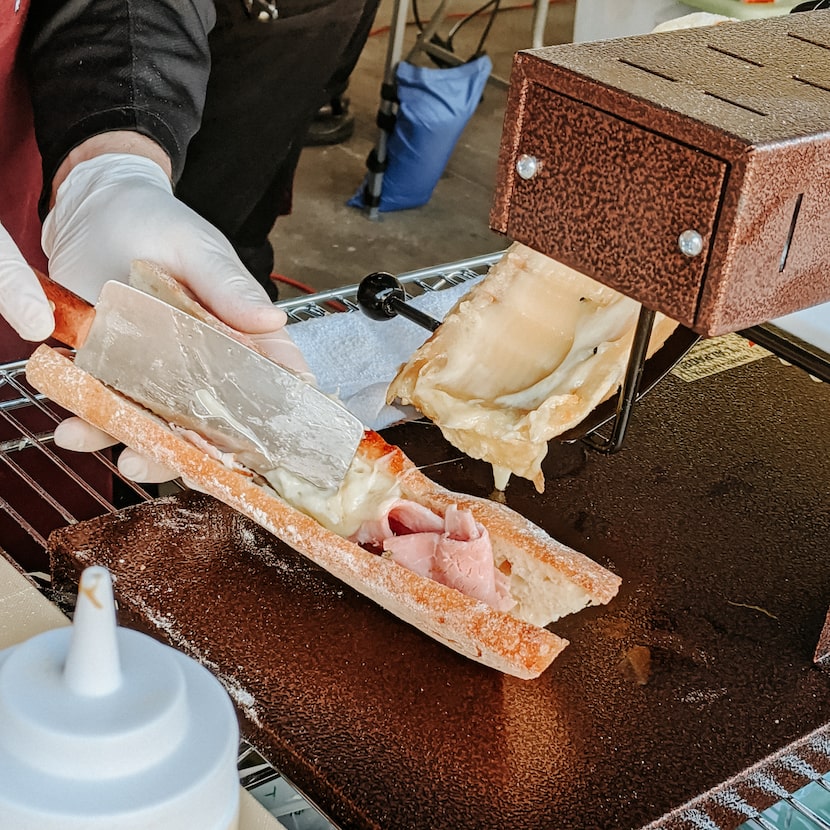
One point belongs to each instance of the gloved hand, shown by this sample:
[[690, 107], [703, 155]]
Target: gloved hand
[[22, 301], [118, 207]]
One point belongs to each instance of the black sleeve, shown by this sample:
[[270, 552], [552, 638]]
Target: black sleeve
[[101, 65]]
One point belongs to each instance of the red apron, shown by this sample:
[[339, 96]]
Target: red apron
[[20, 175], [20, 182]]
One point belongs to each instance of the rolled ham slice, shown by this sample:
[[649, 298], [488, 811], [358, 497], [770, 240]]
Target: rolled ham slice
[[400, 518], [454, 550]]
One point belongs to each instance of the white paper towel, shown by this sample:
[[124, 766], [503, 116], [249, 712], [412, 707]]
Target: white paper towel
[[356, 358]]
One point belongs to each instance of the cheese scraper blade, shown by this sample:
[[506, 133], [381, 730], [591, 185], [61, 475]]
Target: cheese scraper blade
[[198, 378]]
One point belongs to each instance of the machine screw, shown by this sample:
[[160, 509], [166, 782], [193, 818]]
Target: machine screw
[[527, 166], [690, 243]]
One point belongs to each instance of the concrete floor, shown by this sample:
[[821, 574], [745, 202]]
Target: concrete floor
[[325, 244]]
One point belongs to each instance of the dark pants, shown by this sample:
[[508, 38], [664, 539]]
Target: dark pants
[[267, 81]]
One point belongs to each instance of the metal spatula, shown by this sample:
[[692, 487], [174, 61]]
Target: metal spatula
[[198, 378]]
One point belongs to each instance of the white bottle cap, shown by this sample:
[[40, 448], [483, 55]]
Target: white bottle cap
[[103, 727]]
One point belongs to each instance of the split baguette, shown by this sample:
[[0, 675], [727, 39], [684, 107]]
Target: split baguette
[[470, 627]]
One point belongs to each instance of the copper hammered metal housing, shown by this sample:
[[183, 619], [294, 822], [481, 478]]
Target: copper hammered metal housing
[[722, 130]]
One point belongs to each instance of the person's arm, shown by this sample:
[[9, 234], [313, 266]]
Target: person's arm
[[99, 67], [117, 90], [106, 76]]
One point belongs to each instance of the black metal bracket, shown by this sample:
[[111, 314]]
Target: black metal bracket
[[806, 356], [629, 391]]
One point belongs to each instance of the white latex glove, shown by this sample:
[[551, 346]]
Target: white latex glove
[[118, 207], [78, 435], [22, 301]]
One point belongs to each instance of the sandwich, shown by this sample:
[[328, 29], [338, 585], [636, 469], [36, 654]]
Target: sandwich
[[468, 572]]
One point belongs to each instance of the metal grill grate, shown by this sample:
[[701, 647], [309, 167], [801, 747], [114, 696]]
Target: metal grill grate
[[43, 488], [40, 490], [790, 781], [415, 283]]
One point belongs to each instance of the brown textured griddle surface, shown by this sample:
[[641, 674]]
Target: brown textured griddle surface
[[717, 517]]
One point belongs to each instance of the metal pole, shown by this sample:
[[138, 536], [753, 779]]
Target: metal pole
[[377, 161]]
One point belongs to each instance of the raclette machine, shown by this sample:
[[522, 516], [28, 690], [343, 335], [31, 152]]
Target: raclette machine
[[688, 169]]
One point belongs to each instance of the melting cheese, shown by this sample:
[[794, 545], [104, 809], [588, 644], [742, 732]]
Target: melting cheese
[[367, 492], [523, 357]]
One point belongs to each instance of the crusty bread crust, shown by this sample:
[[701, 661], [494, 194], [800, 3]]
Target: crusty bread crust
[[466, 625]]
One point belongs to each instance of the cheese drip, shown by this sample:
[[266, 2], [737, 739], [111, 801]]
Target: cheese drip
[[366, 493]]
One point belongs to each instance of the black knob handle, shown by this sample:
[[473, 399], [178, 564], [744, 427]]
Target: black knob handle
[[382, 297], [375, 293]]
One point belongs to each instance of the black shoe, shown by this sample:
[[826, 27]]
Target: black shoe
[[333, 124]]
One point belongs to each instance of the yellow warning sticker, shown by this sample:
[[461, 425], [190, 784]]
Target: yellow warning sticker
[[717, 354]]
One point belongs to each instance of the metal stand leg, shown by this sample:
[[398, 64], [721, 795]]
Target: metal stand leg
[[424, 42], [806, 356], [629, 389], [540, 18], [377, 161]]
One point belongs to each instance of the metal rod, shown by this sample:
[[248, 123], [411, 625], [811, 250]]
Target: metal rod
[[440, 53], [39, 402], [630, 387], [424, 39], [806, 356], [257, 778], [468, 265], [22, 522], [414, 314], [540, 18], [805, 811], [18, 444], [35, 442], [46, 496], [19, 403], [388, 107], [62, 465]]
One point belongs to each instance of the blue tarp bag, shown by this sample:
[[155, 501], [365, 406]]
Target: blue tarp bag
[[434, 106]]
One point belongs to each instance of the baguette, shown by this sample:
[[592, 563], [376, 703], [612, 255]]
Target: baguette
[[547, 579]]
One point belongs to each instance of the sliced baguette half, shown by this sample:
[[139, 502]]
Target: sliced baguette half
[[470, 627]]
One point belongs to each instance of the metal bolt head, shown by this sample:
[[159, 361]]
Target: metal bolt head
[[690, 243], [527, 166]]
